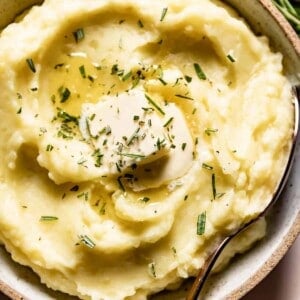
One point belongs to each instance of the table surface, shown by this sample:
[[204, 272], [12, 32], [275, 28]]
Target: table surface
[[283, 283]]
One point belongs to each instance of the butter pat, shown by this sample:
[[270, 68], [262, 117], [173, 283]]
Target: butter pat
[[127, 130]]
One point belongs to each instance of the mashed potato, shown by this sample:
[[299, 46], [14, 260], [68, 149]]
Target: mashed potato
[[134, 135]]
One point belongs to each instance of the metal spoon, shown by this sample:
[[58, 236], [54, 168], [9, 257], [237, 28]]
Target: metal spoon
[[194, 292]]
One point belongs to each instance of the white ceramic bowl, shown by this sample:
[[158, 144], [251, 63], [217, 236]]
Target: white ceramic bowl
[[283, 222]]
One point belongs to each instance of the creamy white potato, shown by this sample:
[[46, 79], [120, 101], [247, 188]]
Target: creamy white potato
[[134, 135]]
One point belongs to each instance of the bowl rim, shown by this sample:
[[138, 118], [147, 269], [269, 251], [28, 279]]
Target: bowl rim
[[293, 231]]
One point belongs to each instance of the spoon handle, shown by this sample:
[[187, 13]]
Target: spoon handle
[[195, 290]]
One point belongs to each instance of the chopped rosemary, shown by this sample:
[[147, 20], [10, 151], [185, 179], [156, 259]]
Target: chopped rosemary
[[120, 183], [145, 199], [168, 122], [154, 104], [135, 82], [84, 195], [133, 137], [201, 222], [102, 209], [208, 131], [98, 157], [185, 197], [78, 35], [220, 195], [140, 23], [207, 167], [184, 97], [213, 183], [152, 269], [49, 148], [162, 81], [201, 75], [116, 71], [188, 78], [183, 146], [75, 188], [64, 94], [127, 76], [31, 65], [86, 241], [82, 71], [230, 58], [163, 14], [19, 110], [67, 117], [57, 66], [48, 218], [131, 155]]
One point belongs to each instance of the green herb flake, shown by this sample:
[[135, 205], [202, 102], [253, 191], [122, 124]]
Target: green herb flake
[[220, 195], [188, 79], [75, 188], [136, 118], [163, 14], [201, 75], [98, 158], [135, 82], [84, 195], [67, 118], [49, 148], [145, 199], [152, 269], [183, 146], [86, 241], [213, 184], [102, 209], [82, 71], [201, 222], [116, 71], [162, 81], [64, 94], [230, 58], [184, 97], [119, 180], [133, 137], [185, 197], [107, 130], [207, 167], [19, 110], [169, 122], [154, 104], [48, 218], [209, 131], [31, 64], [57, 66], [140, 23], [78, 35], [131, 155], [127, 76], [174, 250]]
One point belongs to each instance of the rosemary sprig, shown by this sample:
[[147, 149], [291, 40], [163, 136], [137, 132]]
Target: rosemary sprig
[[291, 12]]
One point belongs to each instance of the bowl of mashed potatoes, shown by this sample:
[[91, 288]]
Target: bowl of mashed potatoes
[[135, 135]]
